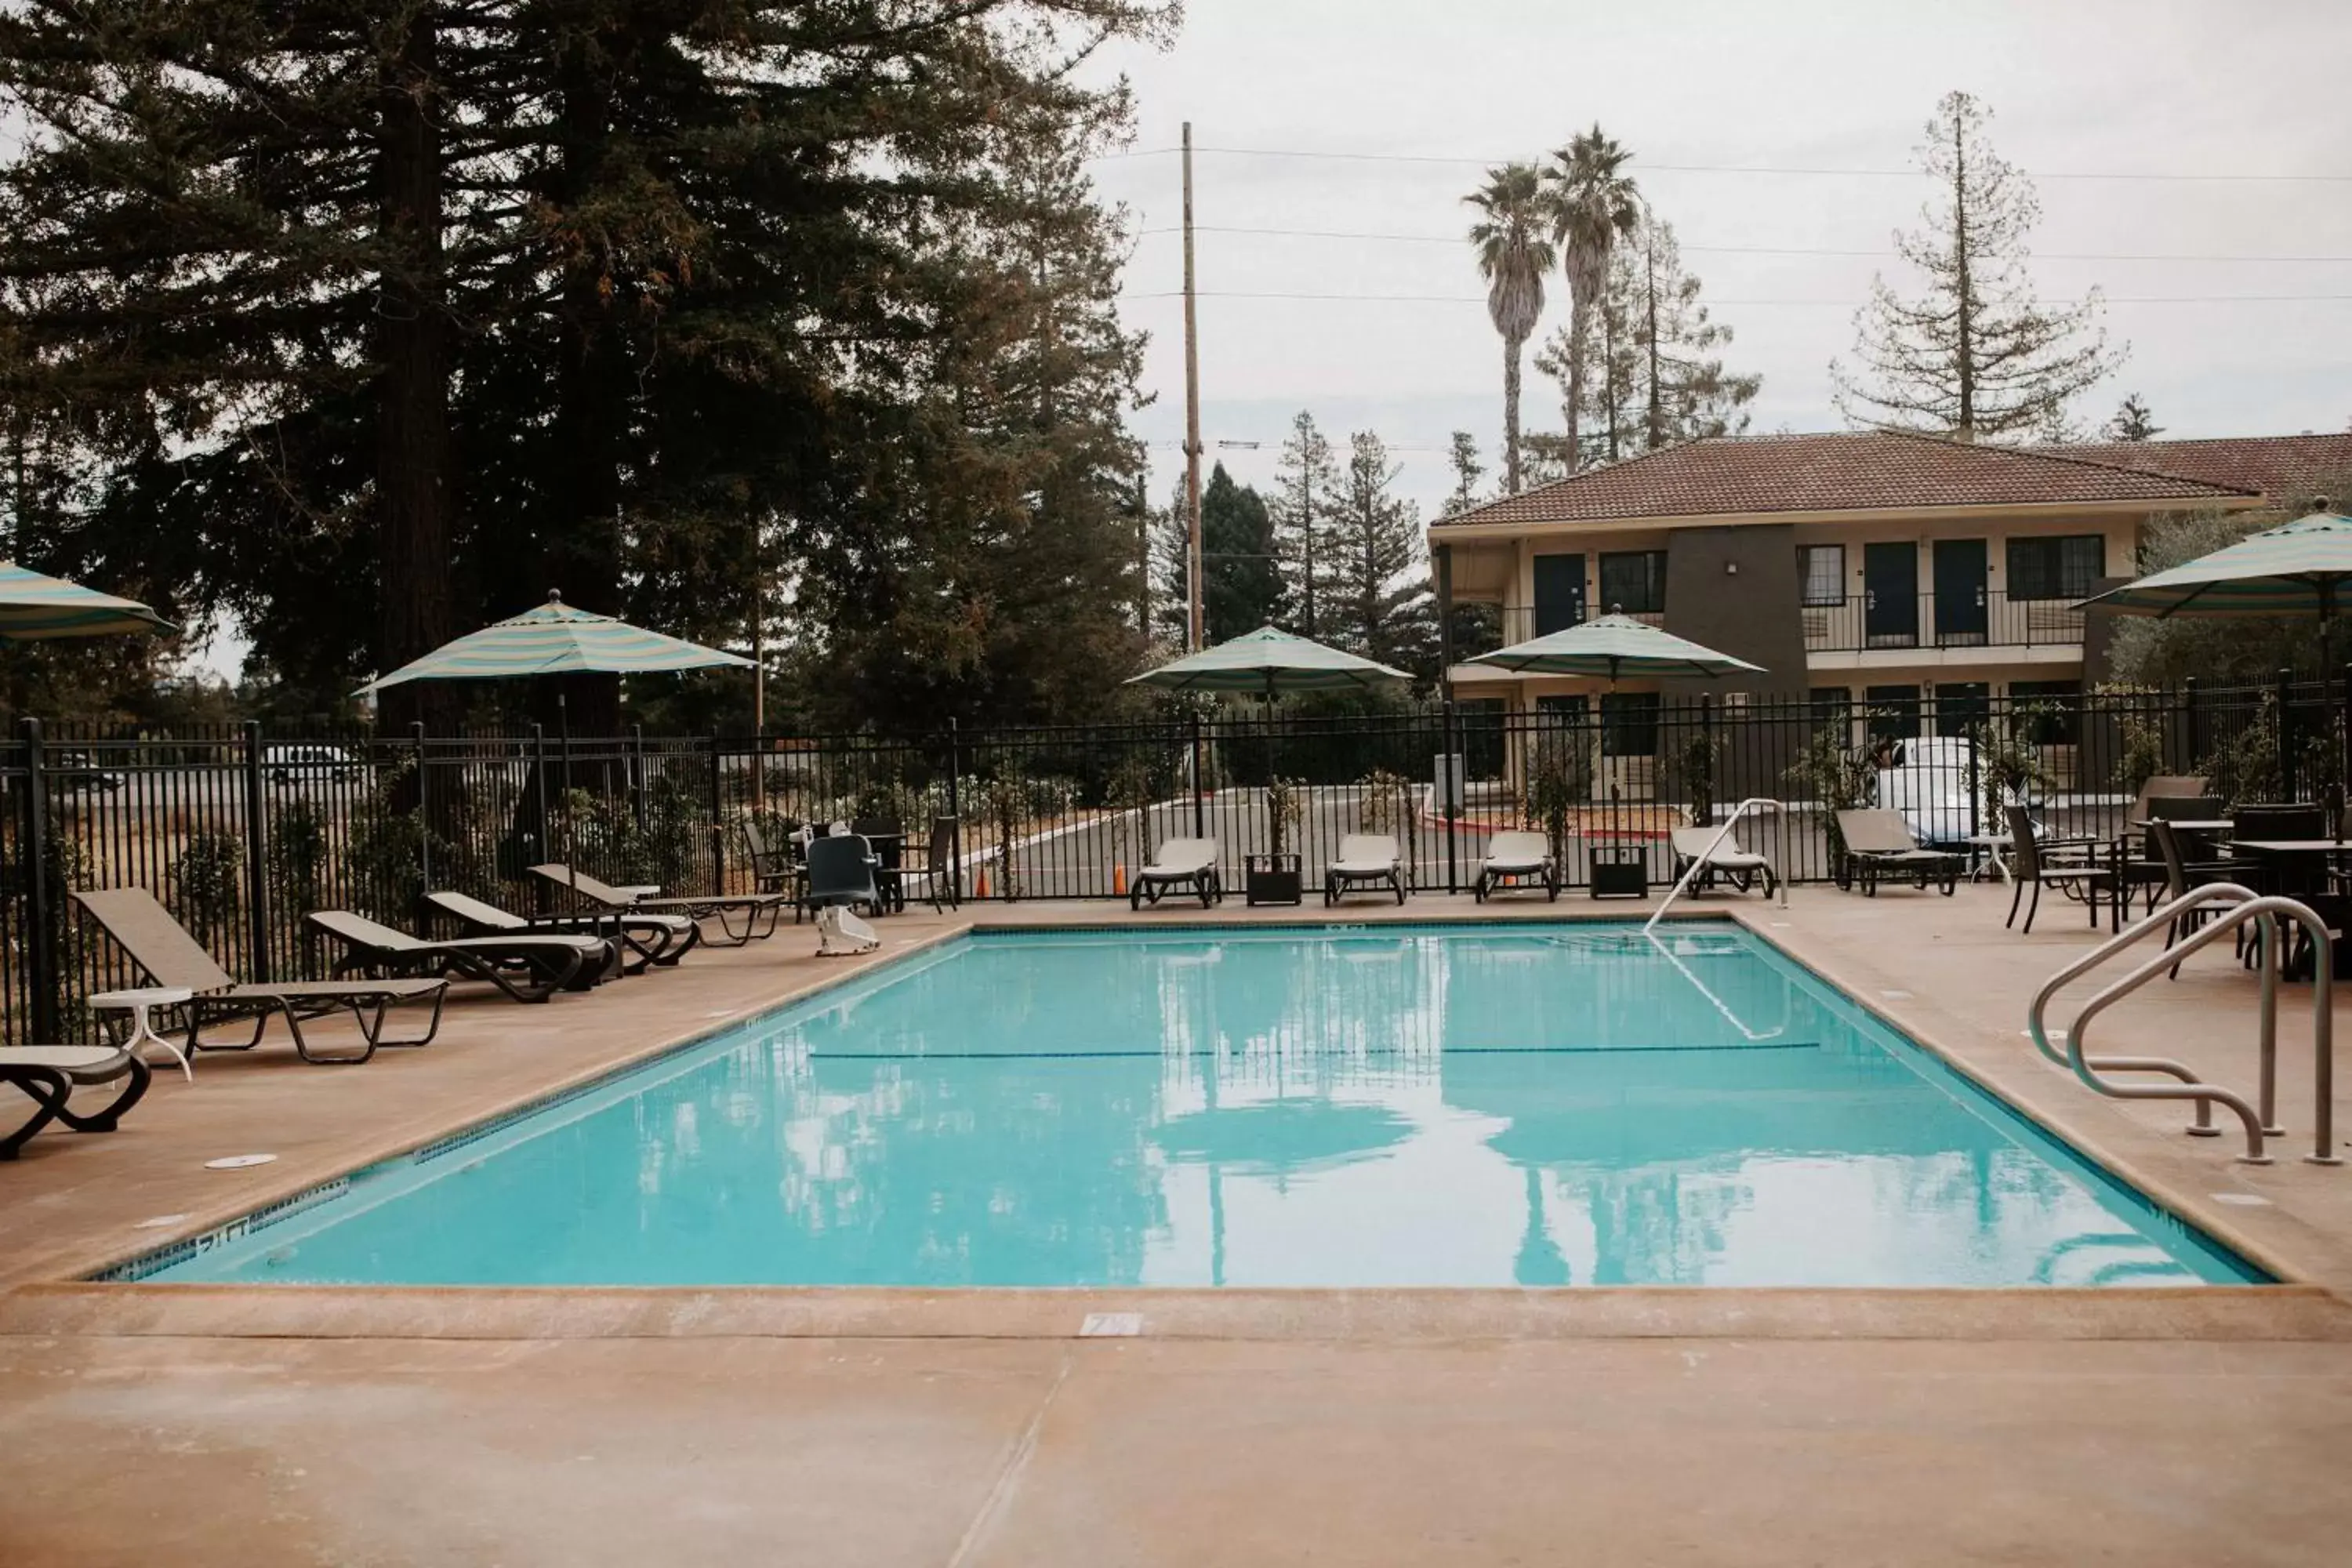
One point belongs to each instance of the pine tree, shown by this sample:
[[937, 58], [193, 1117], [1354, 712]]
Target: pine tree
[[2133, 422], [1977, 355], [1242, 579], [1383, 604], [1463, 453], [1656, 378], [1305, 503], [362, 323]]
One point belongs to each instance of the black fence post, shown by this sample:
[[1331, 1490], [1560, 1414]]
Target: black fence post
[[718, 820], [257, 854], [424, 816], [1449, 787], [1200, 822], [955, 807], [41, 979], [538, 807], [2191, 719], [637, 776], [2285, 696]]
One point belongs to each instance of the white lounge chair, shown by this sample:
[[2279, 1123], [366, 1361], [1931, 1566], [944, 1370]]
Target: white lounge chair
[[1878, 845], [1190, 864], [1365, 860], [1517, 860], [1727, 861]]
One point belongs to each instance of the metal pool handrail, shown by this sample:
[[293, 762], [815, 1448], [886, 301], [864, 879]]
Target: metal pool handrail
[[2244, 905], [1699, 865]]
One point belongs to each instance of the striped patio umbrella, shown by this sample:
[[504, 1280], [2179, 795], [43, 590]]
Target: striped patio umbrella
[[34, 607], [2297, 568], [1267, 661], [1610, 646], [556, 639]]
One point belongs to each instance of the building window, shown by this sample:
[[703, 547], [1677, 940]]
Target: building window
[[2046, 712], [1821, 570], [2065, 567], [1634, 580], [1629, 724], [1894, 712]]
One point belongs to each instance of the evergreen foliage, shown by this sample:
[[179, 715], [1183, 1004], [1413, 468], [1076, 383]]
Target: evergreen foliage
[[1976, 354]]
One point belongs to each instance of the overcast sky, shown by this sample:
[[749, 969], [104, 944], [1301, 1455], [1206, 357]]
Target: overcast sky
[[2087, 87]]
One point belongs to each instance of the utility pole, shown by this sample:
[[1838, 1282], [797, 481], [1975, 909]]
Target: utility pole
[[1192, 421], [1142, 556]]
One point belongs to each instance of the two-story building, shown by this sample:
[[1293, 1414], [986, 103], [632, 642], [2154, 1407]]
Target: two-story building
[[1895, 572]]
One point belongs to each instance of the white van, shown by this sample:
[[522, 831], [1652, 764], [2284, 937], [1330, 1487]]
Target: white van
[[1934, 783]]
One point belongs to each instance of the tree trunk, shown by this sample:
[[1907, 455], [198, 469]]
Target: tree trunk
[[1511, 350], [583, 540], [1657, 432], [412, 499], [1580, 334]]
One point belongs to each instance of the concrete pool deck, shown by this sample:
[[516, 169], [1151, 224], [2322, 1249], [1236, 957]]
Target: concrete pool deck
[[253, 1424]]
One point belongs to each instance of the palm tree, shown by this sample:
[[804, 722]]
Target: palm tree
[[1513, 257], [1591, 201]]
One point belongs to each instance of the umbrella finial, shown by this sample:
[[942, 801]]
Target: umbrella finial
[[556, 596]]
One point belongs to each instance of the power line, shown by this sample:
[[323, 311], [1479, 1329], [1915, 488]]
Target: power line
[[1724, 249], [1647, 167], [1841, 304]]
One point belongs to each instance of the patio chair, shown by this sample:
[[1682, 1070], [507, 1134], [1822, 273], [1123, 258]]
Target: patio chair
[[656, 938], [775, 868], [1183, 863], [1517, 860], [2063, 863], [2181, 874], [526, 968], [1727, 861], [937, 870], [1878, 844], [841, 870], [641, 899], [47, 1076], [1365, 860], [164, 952]]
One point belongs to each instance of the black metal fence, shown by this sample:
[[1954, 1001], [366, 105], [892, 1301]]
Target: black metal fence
[[239, 832]]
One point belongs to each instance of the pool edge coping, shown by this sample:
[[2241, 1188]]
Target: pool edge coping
[[103, 1268]]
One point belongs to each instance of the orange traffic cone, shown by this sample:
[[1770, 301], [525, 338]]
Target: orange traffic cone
[[980, 886], [1118, 881]]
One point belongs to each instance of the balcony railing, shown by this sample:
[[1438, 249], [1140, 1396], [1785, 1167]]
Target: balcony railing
[[1486, 627], [1987, 618]]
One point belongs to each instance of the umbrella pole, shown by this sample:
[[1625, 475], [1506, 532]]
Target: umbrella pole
[[563, 732]]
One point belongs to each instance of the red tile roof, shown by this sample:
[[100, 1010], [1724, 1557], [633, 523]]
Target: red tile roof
[[1847, 471], [2293, 466]]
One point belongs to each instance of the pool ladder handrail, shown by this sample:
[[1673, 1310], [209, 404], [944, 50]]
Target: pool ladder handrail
[[1683, 882], [2243, 905]]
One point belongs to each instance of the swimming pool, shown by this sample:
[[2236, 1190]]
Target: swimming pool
[[1456, 1105]]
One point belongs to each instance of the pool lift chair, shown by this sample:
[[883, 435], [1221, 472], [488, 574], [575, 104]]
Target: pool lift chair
[[841, 876]]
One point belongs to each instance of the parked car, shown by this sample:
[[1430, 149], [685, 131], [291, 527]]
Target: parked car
[[1937, 785], [288, 765]]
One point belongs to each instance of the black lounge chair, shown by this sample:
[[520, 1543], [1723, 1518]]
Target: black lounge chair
[[1878, 845], [49, 1074], [747, 907], [656, 938], [163, 949], [526, 968]]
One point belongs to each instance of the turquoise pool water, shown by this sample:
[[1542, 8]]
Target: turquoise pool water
[[1426, 1105]]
